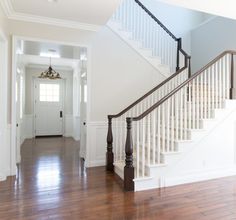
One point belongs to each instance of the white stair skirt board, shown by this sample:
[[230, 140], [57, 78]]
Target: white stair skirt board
[[126, 36], [210, 153]]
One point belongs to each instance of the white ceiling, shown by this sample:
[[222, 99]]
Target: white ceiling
[[90, 12]]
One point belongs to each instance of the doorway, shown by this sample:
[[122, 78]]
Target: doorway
[[46, 107]]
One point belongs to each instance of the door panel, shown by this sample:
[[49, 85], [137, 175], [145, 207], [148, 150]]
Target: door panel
[[48, 107]]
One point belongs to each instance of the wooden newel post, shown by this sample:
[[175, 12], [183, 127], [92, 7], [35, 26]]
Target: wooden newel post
[[231, 95], [110, 155], [129, 169], [179, 45]]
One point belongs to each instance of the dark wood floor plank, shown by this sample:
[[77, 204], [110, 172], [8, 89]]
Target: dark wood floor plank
[[53, 184]]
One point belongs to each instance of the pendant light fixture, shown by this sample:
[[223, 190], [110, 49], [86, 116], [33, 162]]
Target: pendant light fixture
[[50, 73]]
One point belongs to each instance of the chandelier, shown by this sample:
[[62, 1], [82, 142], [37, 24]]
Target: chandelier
[[50, 73]]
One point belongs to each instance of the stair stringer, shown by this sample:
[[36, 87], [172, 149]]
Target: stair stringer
[[136, 45], [209, 154]]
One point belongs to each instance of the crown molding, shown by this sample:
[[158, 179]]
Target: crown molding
[[13, 15], [7, 7]]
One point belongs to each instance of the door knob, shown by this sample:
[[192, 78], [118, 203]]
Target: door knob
[[84, 123], [61, 115]]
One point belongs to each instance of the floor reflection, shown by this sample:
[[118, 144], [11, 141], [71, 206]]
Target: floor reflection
[[48, 174]]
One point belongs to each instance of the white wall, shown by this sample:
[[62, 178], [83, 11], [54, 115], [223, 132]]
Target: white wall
[[119, 75], [211, 39]]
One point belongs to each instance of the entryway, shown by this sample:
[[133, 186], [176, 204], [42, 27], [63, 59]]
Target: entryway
[[49, 92]]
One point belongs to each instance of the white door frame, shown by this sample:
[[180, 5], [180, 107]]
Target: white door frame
[[15, 38], [63, 105], [4, 127]]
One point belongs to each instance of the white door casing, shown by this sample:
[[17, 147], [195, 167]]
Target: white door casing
[[83, 115], [18, 117], [49, 107]]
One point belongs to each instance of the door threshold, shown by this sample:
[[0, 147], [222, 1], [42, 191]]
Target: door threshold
[[48, 136]]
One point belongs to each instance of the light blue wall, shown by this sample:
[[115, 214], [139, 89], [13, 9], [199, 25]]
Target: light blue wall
[[211, 39]]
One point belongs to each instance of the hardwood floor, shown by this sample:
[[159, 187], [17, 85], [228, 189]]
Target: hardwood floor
[[52, 184]]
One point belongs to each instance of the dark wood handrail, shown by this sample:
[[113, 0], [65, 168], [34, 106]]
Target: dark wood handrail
[[148, 93], [173, 92], [178, 70], [156, 20]]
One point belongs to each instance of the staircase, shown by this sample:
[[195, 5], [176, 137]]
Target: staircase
[[158, 139], [143, 32]]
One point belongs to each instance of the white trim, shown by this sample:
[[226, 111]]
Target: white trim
[[7, 7], [4, 128], [13, 15], [13, 108]]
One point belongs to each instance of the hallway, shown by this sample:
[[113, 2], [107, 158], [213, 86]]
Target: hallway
[[52, 184]]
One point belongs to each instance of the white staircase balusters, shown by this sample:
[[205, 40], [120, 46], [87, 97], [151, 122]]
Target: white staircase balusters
[[144, 28], [157, 132]]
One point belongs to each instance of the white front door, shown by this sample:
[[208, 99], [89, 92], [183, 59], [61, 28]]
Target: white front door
[[49, 107]]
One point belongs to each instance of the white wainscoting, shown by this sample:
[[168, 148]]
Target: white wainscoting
[[76, 128], [68, 128], [5, 137], [96, 144], [28, 126], [2, 159], [8, 152]]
